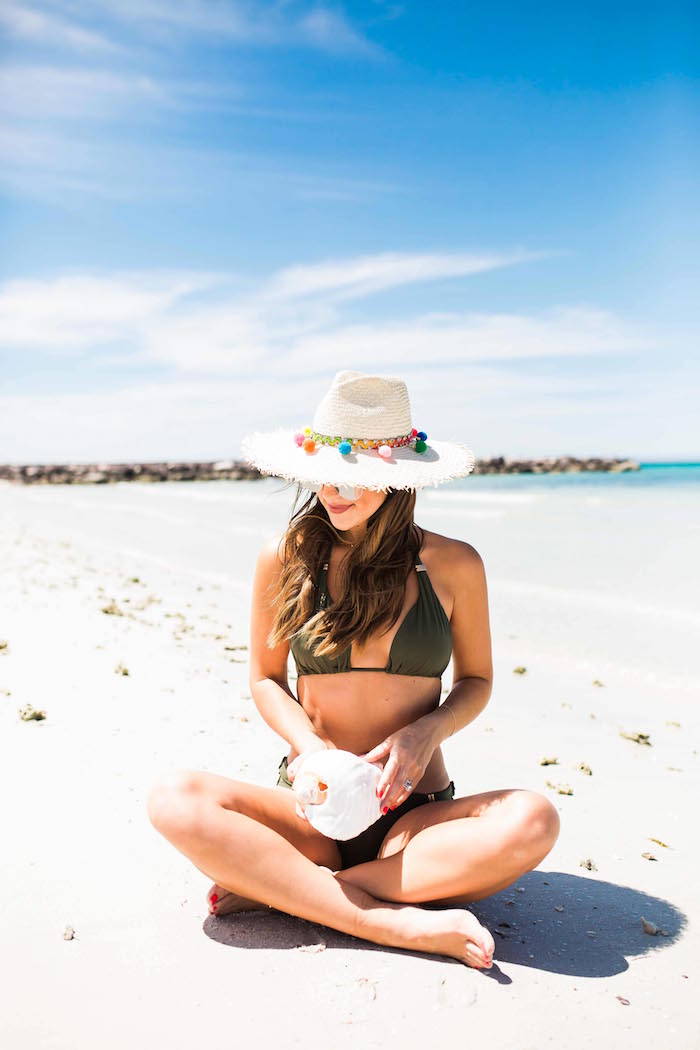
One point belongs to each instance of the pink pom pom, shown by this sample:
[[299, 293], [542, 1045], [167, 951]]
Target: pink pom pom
[[384, 451], [299, 438]]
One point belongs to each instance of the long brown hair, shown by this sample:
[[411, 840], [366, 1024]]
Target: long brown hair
[[371, 578]]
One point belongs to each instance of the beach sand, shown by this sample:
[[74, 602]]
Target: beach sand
[[594, 595]]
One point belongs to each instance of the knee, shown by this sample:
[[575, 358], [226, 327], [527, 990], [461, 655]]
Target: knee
[[535, 823], [172, 802]]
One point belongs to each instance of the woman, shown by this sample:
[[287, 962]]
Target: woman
[[354, 585]]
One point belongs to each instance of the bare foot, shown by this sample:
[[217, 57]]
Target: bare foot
[[223, 902], [455, 932]]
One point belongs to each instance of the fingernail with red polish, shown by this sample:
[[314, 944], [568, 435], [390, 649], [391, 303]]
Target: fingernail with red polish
[[394, 806], [385, 809], [214, 898]]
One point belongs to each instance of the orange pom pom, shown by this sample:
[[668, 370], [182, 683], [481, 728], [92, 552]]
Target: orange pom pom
[[308, 445]]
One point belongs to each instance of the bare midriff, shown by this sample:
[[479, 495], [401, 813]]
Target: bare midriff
[[355, 711]]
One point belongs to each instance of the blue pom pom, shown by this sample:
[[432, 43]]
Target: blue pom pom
[[422, 436], [344, 447]]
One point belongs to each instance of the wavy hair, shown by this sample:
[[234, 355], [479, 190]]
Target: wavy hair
[[371, 578]]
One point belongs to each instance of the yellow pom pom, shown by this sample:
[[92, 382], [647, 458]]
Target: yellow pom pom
[[308, 430]]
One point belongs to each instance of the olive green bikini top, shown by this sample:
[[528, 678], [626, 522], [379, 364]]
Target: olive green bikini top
[[421, 646]]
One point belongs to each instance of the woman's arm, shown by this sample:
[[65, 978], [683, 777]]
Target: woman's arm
[[472, 668], [268, 667], [411, 748]]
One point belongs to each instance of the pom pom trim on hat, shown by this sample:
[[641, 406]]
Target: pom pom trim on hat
[[277, 454]]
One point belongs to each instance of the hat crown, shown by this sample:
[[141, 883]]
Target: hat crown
[[358, 405]]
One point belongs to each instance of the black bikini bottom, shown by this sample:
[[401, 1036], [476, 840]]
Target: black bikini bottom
[[366, 845]]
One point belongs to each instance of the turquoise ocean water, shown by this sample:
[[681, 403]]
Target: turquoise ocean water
[[649, 476]]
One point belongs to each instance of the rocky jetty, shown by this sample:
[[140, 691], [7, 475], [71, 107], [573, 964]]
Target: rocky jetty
[[105, 473], [552, 464]]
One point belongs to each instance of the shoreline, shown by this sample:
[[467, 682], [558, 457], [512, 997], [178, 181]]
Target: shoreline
[[237, 470]]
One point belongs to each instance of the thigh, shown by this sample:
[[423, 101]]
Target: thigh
[[493, 804], [272, 806]]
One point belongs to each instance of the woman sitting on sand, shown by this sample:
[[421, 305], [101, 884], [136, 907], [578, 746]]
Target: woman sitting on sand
[[354, 585]]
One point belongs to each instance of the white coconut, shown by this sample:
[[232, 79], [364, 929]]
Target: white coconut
[[349, 804]]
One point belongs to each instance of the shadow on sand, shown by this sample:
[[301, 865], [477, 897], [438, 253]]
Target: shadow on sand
[[598, 928]]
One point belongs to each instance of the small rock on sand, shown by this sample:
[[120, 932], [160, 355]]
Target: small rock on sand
[[519, 670], [583, 767], [561, 789], [652, 929], [552, 761], [588, 863], [638, 738], [68, 933], [27, 713]]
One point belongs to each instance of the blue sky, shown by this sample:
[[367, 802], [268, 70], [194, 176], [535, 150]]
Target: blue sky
[[208, 208]]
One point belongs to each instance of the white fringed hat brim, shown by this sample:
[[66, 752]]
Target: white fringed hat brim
[[275, 452]]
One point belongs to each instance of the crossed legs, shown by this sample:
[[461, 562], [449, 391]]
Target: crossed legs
[[249, 840]]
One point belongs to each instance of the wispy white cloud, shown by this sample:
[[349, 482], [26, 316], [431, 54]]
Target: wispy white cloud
[[81, 312], [241, 355], [48, 104], [217, 324], [64, 168], [364, 275], [331, 31], [451, 338], [46, 91], [277, 25], [78, 93], [46, 28]]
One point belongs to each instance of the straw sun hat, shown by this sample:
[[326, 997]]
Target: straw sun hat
[[362, 435]]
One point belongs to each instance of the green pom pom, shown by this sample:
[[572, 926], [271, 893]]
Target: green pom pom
[[420, 446]]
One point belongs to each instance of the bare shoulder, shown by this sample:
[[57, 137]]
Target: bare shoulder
[[452, 564], [448, 556], [271, 555]]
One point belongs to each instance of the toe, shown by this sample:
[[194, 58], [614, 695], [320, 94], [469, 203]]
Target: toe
[[475, 959], [215, 896]]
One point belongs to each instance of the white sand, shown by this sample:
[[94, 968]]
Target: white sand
[[581, 588]]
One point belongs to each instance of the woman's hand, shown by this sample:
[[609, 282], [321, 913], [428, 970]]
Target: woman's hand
[[293, 767], [311, 747], [410, 750]]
